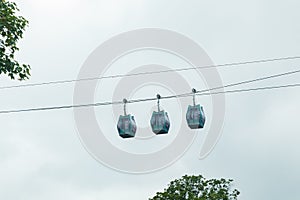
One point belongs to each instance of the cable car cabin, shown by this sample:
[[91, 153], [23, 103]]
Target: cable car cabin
[[126, 126], [160, 122], [195, 117]]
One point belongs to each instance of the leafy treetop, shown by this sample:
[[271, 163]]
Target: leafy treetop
[[198, 188], [11, 30]]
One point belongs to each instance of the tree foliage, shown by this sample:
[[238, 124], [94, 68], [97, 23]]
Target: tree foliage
[[12, 27], [198, 188]]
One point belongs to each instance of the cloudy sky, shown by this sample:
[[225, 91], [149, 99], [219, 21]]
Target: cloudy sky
[[41, 156]]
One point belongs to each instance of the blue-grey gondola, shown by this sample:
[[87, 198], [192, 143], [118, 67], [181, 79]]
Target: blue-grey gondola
[[126, 124], [160, 122], [195, 116]]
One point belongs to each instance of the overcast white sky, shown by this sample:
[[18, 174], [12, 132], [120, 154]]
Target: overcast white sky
[[41, 156]]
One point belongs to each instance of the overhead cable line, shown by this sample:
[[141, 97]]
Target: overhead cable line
[[121, 102], [199, 93], [220, 87], [251, 89], [150, 72]]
